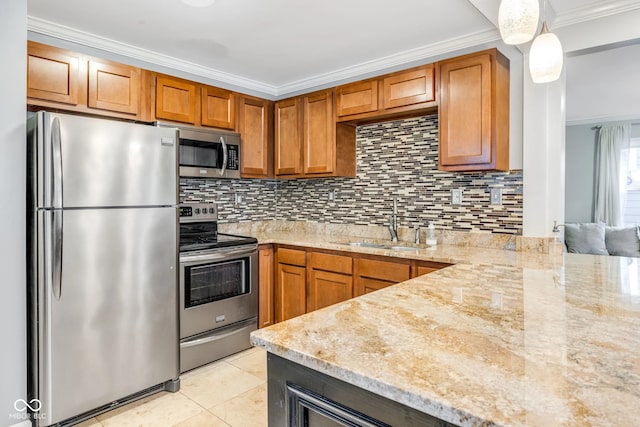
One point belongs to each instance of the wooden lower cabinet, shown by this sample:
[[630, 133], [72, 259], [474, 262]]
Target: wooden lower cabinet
[[374, 274], [329, 280], [305, 280], [291, 283], [266, 302]]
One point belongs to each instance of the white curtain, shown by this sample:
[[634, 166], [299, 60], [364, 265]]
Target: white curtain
[[610, 174]]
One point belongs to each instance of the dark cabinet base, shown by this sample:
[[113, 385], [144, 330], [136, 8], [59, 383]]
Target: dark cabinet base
[[302, 397]]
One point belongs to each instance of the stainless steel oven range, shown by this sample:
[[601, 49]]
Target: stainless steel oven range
[[218, 288]]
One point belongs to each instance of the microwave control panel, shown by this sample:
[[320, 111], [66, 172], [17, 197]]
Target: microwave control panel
[[233, 161]]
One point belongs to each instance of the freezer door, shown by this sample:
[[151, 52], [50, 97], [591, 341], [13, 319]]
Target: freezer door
[[89, 162], [110, 328]]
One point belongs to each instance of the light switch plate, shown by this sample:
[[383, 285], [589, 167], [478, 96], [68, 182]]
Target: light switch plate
[[496, 196], [456, 197]]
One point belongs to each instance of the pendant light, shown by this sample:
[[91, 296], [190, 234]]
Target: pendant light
[[518, 20], [545, 57]]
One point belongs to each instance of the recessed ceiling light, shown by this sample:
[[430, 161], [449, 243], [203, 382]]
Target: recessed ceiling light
[[198, 3]]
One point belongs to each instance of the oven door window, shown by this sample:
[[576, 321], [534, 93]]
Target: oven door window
[[210, 282]]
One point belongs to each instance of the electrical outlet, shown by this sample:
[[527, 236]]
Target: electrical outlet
[[332, 195], [496, 196], [456, 197], [238, 199]]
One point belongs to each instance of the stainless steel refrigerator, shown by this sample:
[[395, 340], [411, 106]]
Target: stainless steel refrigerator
[[102, 279]]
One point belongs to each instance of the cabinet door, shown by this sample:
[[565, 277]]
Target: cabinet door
[[218, 109], [326, 288], [290, 291], [357, 98], [266, 306], [52, 74], [256, 149], [114, 88], [175, 100], [288, 141], [409, 87], [474, 112], [319, 133]]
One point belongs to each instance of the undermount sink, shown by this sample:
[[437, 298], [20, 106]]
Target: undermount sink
[[379, 246], [366, 244]]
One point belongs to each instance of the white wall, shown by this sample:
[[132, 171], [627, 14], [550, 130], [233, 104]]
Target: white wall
[[13, 46]]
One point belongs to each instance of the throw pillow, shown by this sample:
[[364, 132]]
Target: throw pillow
[[585, 238], [622, 241]]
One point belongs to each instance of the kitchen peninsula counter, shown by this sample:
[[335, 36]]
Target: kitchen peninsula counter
[[501, 338]]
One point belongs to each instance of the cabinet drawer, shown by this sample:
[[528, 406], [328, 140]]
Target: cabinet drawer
[[292, 257], [327, 262], [384, 270]]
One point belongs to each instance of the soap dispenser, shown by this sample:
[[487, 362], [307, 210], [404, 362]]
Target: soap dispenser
[[431, 234]]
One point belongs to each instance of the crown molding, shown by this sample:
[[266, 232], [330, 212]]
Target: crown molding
[[421, 53], [91, 40], [590, 12], [353, 72]]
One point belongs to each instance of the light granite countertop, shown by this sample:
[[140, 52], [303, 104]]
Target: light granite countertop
[[501, 338]]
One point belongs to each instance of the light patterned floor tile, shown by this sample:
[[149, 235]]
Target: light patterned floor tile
[[254, 362], [161, 410], [213, 386], [246, 410], [93, 422], [243, 353], [203, 419]]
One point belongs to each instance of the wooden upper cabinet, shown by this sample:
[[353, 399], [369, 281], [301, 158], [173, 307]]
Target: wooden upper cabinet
[[319, 133], [356, 98], [409, 87], [309, 142], [474, 112], [218, 109], [114, 88], [288, 140], [255, 128], [399, 94], [52, 74], [176, 100]]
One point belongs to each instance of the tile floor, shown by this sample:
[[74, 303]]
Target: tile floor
[[231, 392]]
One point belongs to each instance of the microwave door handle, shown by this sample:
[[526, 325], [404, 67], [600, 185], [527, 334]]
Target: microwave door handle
[[225, 155]]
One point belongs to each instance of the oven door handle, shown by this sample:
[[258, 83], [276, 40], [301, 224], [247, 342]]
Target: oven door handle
[[219, 256], [228, 331]]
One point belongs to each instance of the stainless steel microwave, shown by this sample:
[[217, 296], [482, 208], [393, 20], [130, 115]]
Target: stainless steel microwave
[[207, 153]]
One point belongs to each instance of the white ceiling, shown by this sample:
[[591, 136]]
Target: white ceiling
[[277, 46]]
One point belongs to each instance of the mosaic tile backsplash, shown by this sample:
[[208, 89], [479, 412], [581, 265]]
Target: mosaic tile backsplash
[[397, 158]]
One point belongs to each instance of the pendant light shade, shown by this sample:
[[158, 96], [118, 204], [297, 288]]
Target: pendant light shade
[[518, 20], [545, 57]]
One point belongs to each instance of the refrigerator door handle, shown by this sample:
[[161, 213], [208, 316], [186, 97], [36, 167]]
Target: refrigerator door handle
[[56, 159], [225, 155], [56, 254]]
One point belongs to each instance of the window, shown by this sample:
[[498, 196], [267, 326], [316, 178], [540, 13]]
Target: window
[[631, 194]]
